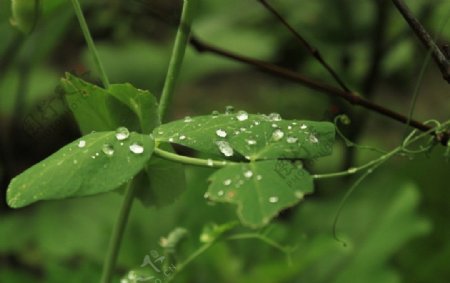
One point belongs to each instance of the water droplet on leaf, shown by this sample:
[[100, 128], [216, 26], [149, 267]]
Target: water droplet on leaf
[[209, 162], [221, 133], [81, 143], [248, 174], [291, 139], [108, 149], [225, 148], [273, 199], [227, 182], [229, 109], [313, 138], [251, 142], [215, 113], [303, 127], [277, 135], [299, 194], [136, 148], [122, 133], [274, 117], [242, 115]]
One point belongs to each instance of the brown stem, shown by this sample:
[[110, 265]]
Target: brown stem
[[350, 97], [439, 57], [311, 49]]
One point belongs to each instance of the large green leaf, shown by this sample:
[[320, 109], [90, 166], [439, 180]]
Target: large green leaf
[[93, 164], [260, 189], [252, 136]]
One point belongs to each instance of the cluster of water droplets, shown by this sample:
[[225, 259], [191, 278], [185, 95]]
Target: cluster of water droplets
[[121, 135]]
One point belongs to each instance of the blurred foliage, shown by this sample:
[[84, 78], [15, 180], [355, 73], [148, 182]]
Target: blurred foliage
[[396, 224]]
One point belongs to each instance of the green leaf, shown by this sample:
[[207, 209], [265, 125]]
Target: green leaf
[[88, 104], [212, 231], [141, 102], [253, 136], [160, 183], [93, 164], [260, 189], [97, 109]]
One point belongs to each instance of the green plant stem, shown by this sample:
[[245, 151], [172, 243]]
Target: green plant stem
[[117, 235], [176, 59], [90, 42], [284, 249], [193, 256], [191, 160], [408, 141]]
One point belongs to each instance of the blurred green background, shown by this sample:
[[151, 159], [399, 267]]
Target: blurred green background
[[395, 225]]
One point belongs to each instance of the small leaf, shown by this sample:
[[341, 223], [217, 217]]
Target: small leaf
[[174, 238], [88, 104], [260, 189], [253, 136], [97, 109], [212, 231], [93, 164], [141, 102]]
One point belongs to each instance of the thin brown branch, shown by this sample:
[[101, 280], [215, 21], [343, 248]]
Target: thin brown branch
[[439, 57], [350, 97], [311, 49]]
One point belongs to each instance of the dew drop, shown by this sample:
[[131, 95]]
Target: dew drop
[[277, 135], [242, 115], [259, 177], [182, 137], [289, 127], [251, 142], [215, 114], [122, 133], [313, 138], [248, 174], [209, 162], [299, 194], [303, 127], [220, 193], [227, 182], [225, 148], [136, 148], [291, 139], [273, 199], [256, 123], [351, 170], [229, 109], [81, 143], [187, 119], [108, 149], [171, 140], [274, 117], [221, 133], [206, 195]]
